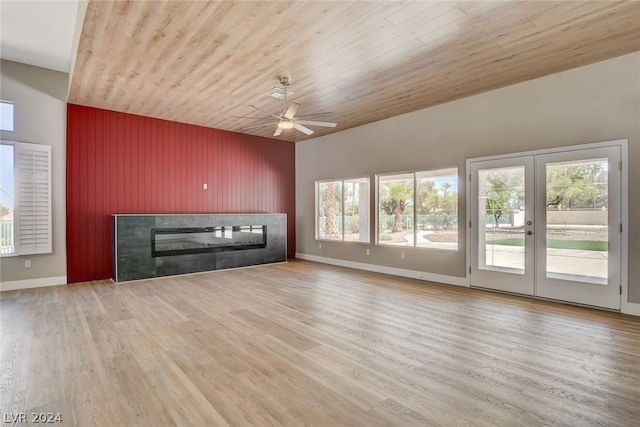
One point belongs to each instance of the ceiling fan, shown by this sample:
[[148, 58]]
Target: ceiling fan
[[287, 119]]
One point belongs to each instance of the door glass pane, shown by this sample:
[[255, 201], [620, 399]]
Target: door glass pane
[[577, 220], [501, 219]]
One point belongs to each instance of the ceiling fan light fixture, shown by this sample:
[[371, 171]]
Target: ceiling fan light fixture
[[277, 92], [285, 124]]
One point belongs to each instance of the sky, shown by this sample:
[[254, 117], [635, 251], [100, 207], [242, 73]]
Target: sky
[[452, 180]]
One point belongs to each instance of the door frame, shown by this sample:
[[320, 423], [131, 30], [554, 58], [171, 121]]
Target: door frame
[[624, 205]]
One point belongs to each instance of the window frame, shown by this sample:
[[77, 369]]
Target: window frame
[[317, 209], [44, 181], [414, 180]]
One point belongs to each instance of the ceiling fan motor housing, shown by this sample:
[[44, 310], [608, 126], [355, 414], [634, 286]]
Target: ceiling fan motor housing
[[285, 80]]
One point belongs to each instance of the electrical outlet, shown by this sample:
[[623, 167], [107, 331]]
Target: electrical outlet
[[368, 251], [402, 255], [27, 263], [204, 186], [319, 245]]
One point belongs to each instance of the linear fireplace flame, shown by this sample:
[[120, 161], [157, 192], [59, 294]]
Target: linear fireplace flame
[[193, 240]]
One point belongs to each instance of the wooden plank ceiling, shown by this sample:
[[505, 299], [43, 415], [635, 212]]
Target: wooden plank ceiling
[[203, 62]]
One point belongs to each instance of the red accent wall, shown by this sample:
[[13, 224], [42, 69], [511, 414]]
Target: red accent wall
[[120, 163]]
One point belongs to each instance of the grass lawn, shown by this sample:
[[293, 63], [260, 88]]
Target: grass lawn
[[585, 245]]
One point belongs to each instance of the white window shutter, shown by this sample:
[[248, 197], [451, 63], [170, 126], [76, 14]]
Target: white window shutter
[[33, 211]]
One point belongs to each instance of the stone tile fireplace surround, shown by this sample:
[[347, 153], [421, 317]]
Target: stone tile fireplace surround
[[146, 246]]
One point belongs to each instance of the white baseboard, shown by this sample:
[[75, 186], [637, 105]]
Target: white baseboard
[[413, 274], [631, 308], [33, 283]]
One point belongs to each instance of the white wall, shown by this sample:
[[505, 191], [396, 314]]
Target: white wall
[[598, 102], [39, 96]]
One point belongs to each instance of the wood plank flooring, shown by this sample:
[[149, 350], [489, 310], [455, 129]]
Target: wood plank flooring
[[302, 343]]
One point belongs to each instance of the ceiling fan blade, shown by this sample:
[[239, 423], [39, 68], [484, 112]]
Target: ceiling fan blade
[[291, 111], [265, 111], [302, 128], [260, 125], [278, 131], [327, 115], [313, 123]]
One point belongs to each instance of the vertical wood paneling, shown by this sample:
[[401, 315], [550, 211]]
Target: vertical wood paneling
[[198, 162], [83, 179], [105, 189], [73, 186], [122, 163], [92, 156]]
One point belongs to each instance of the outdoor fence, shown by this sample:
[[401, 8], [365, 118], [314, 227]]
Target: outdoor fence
[[6, 237], [450, 221], [424, 221], [351, 223], [585, 217]]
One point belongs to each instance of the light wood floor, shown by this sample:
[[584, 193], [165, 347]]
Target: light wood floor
[[309, 344]]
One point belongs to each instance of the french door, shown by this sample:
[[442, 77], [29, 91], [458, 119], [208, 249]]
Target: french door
[[548, 224]]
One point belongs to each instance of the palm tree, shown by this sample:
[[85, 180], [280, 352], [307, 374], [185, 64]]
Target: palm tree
[[400, 194], [331, 225], [446, 205]]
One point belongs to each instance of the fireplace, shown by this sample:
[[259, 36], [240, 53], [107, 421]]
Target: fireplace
[[194, 240], [156, 245]]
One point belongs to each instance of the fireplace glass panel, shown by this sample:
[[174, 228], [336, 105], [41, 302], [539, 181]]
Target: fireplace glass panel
[[177, 241]]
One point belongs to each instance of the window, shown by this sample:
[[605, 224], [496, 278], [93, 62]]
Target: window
[[419, 209], [6, 115], [25, 198], [342, 210]]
